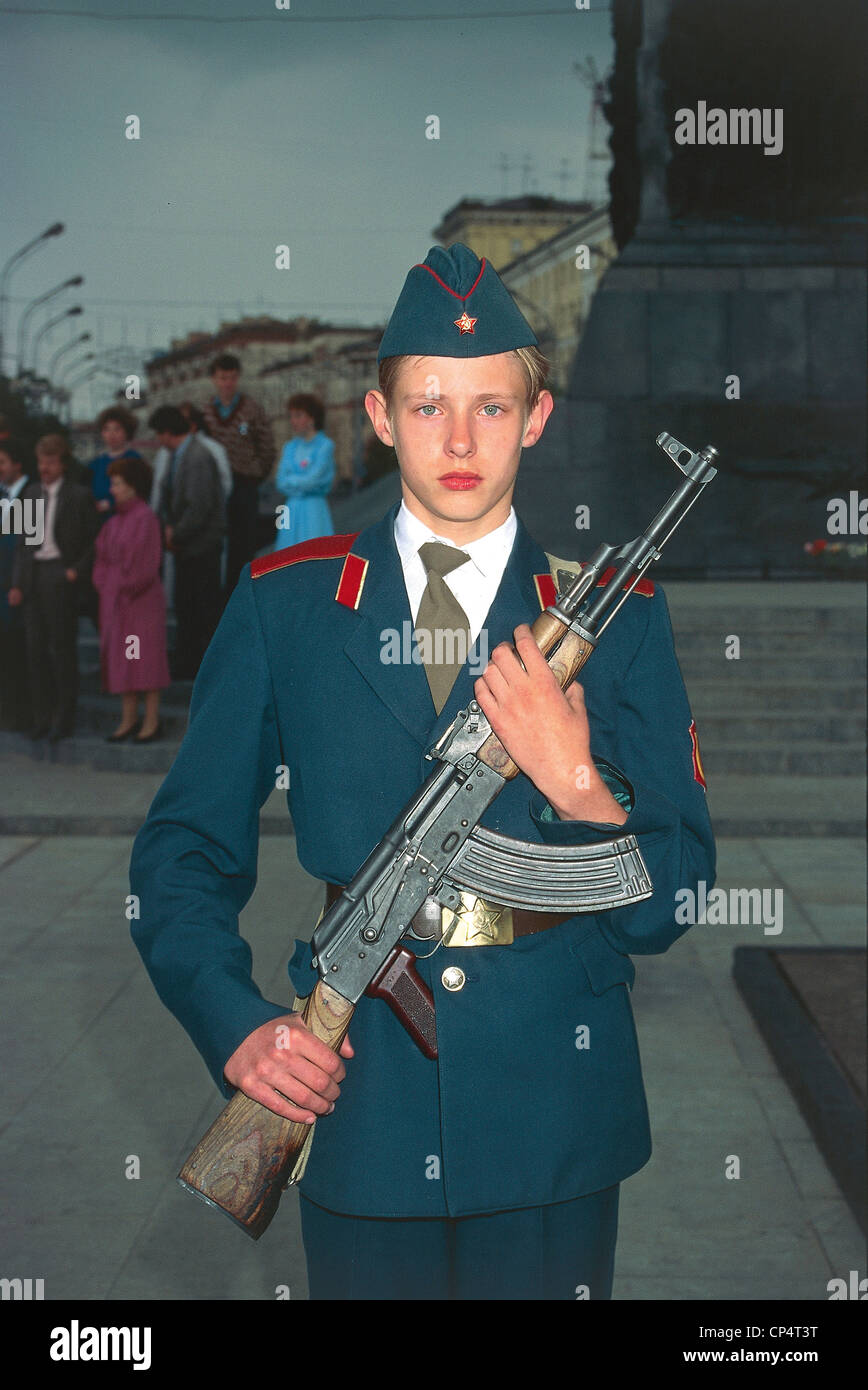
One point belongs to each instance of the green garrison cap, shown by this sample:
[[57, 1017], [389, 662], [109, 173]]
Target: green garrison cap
[[454, 305]]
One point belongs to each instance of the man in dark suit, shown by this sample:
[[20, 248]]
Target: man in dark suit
[[47, 579], [192, 510], [14, 692]]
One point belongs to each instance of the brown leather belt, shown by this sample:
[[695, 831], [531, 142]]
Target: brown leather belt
[[479, 921]]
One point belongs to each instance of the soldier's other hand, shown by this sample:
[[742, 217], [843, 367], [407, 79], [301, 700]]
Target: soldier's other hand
[[14, 597], [287, 1069]]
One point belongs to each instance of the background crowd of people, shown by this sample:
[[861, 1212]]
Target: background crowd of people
[[120, 532]]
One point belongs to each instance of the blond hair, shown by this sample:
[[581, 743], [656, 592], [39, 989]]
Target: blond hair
[[534, 366]]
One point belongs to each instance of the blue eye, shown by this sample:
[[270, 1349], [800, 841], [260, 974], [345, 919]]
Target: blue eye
[[491, 406], [427, 407]]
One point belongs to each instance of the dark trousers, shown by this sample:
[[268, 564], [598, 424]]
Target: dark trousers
[[197, 609], [51, 630], [14, 691], [242, 511], [565, 1251]]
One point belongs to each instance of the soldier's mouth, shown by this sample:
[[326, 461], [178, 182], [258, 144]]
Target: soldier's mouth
[[460, 481]]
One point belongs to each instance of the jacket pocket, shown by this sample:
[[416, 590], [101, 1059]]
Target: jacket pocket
[[604, 966]]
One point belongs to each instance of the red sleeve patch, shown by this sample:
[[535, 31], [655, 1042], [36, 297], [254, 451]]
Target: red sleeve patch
[[698, 774]]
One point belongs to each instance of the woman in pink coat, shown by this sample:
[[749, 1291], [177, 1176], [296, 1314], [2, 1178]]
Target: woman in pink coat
[[132, 604]]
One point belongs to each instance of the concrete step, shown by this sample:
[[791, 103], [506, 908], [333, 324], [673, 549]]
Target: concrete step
[[755, 666], [706, 695], [100, 714], [787, 806], [86, 750], [824, 623], [806, 758], [804, 648], [846, 727]]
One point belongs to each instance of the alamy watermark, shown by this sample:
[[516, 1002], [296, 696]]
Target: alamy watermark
[[24, 516], [444, 646], [77, 1343], [737, 126], [22, 1289], [848, 516], [739, 907]]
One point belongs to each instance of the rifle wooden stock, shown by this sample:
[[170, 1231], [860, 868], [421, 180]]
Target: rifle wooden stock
[[244, 1162]]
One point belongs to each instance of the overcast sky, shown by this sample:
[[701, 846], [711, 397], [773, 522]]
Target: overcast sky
[[287, 127]]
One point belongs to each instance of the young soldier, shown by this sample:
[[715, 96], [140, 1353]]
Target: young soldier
[[494, 1171]]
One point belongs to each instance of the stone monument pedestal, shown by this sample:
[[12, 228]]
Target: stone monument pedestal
[[740, 336]]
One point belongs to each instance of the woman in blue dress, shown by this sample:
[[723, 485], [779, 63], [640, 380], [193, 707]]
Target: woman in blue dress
[[118, 427], [305, 474]]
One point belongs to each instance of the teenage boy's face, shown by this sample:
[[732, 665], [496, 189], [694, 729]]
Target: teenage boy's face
[[458, 427]]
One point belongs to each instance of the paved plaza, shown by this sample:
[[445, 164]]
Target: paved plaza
[[98, 1074], [97, 1071]]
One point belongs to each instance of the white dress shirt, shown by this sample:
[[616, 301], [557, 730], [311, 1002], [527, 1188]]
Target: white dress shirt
[[473, 583], [49, 549]]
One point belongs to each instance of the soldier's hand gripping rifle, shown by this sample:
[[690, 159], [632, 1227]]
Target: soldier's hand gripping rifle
[[434, 849]]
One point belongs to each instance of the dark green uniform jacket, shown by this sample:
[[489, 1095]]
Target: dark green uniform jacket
[[513, 1113]]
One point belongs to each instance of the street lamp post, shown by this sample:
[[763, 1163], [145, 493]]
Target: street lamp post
[[47, 327], [74, 367], [59, 392], [67, 347], [33, 306], [54, 230], [72, 386]]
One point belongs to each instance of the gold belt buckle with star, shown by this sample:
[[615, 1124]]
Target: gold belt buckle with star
[[476, 923]]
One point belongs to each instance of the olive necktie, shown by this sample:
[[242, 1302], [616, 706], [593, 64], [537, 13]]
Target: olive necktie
[[442, 628]]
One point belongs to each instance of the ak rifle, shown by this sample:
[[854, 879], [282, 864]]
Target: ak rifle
[[434, 849]]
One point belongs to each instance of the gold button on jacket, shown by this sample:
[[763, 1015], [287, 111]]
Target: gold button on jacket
[[453, 978]]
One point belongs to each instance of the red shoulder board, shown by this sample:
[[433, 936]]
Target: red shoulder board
[[644, 586], [547, 590], [320, 548], [349, 589]]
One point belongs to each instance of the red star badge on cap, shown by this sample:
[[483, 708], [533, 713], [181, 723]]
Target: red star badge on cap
[[465, 323]]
